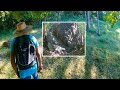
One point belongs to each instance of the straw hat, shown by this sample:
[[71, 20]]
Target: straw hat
[[22, 28]]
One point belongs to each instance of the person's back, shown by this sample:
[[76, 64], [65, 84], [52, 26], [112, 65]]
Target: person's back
[[25, 54]]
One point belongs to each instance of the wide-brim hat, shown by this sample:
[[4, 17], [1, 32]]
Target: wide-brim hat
[[22, 28]]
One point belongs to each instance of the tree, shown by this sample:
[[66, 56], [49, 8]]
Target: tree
[[88, 20], [7, 21], [98, 25], [100, 15], [112, 17], [31, 17], [85, 12]]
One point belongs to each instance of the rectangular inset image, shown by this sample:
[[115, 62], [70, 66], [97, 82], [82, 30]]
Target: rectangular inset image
[[64, 39]]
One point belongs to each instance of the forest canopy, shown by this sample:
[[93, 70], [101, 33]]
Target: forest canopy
[[8, 19]]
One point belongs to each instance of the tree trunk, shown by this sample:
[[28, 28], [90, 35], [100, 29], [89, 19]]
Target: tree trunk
[[85, 15], [100, 15], [98, 25], [88, 20]]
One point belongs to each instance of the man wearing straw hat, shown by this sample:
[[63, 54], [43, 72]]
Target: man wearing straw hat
[[25, 57]]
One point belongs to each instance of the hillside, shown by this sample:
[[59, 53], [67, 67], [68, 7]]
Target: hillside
[[102, 59]]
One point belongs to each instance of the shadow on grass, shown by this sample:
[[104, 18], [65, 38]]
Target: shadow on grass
[[60, 69], [102, 61], [64, 68]]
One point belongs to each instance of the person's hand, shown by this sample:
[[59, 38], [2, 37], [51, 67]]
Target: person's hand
[[17, 72], [40, 68]]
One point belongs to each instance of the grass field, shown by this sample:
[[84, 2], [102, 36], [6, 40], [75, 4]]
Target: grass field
[[102, 59]]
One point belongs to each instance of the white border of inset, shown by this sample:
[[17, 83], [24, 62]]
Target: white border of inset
[[63, 22]]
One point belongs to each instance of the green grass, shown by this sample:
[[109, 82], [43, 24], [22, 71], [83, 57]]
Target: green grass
[[103, 54], [102, 59]]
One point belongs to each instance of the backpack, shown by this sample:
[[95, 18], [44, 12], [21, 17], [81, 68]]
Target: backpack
[[25, 52]]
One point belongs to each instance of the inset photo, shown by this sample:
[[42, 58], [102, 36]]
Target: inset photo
[[64, 39]]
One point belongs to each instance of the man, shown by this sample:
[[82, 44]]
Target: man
[[17, 55]]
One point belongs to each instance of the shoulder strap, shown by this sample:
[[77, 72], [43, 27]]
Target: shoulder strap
[[16, 43]]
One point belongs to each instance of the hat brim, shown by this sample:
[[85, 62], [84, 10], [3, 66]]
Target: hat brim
[[26, 30]]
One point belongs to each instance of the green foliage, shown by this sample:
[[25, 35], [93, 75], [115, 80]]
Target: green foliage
[[26, 15], [6, 20], [112, 17]]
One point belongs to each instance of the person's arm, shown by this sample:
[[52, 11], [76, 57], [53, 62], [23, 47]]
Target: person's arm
[[39, 55], [14, 65]]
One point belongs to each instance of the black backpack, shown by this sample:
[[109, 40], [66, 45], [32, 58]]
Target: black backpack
[[25, 52]]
